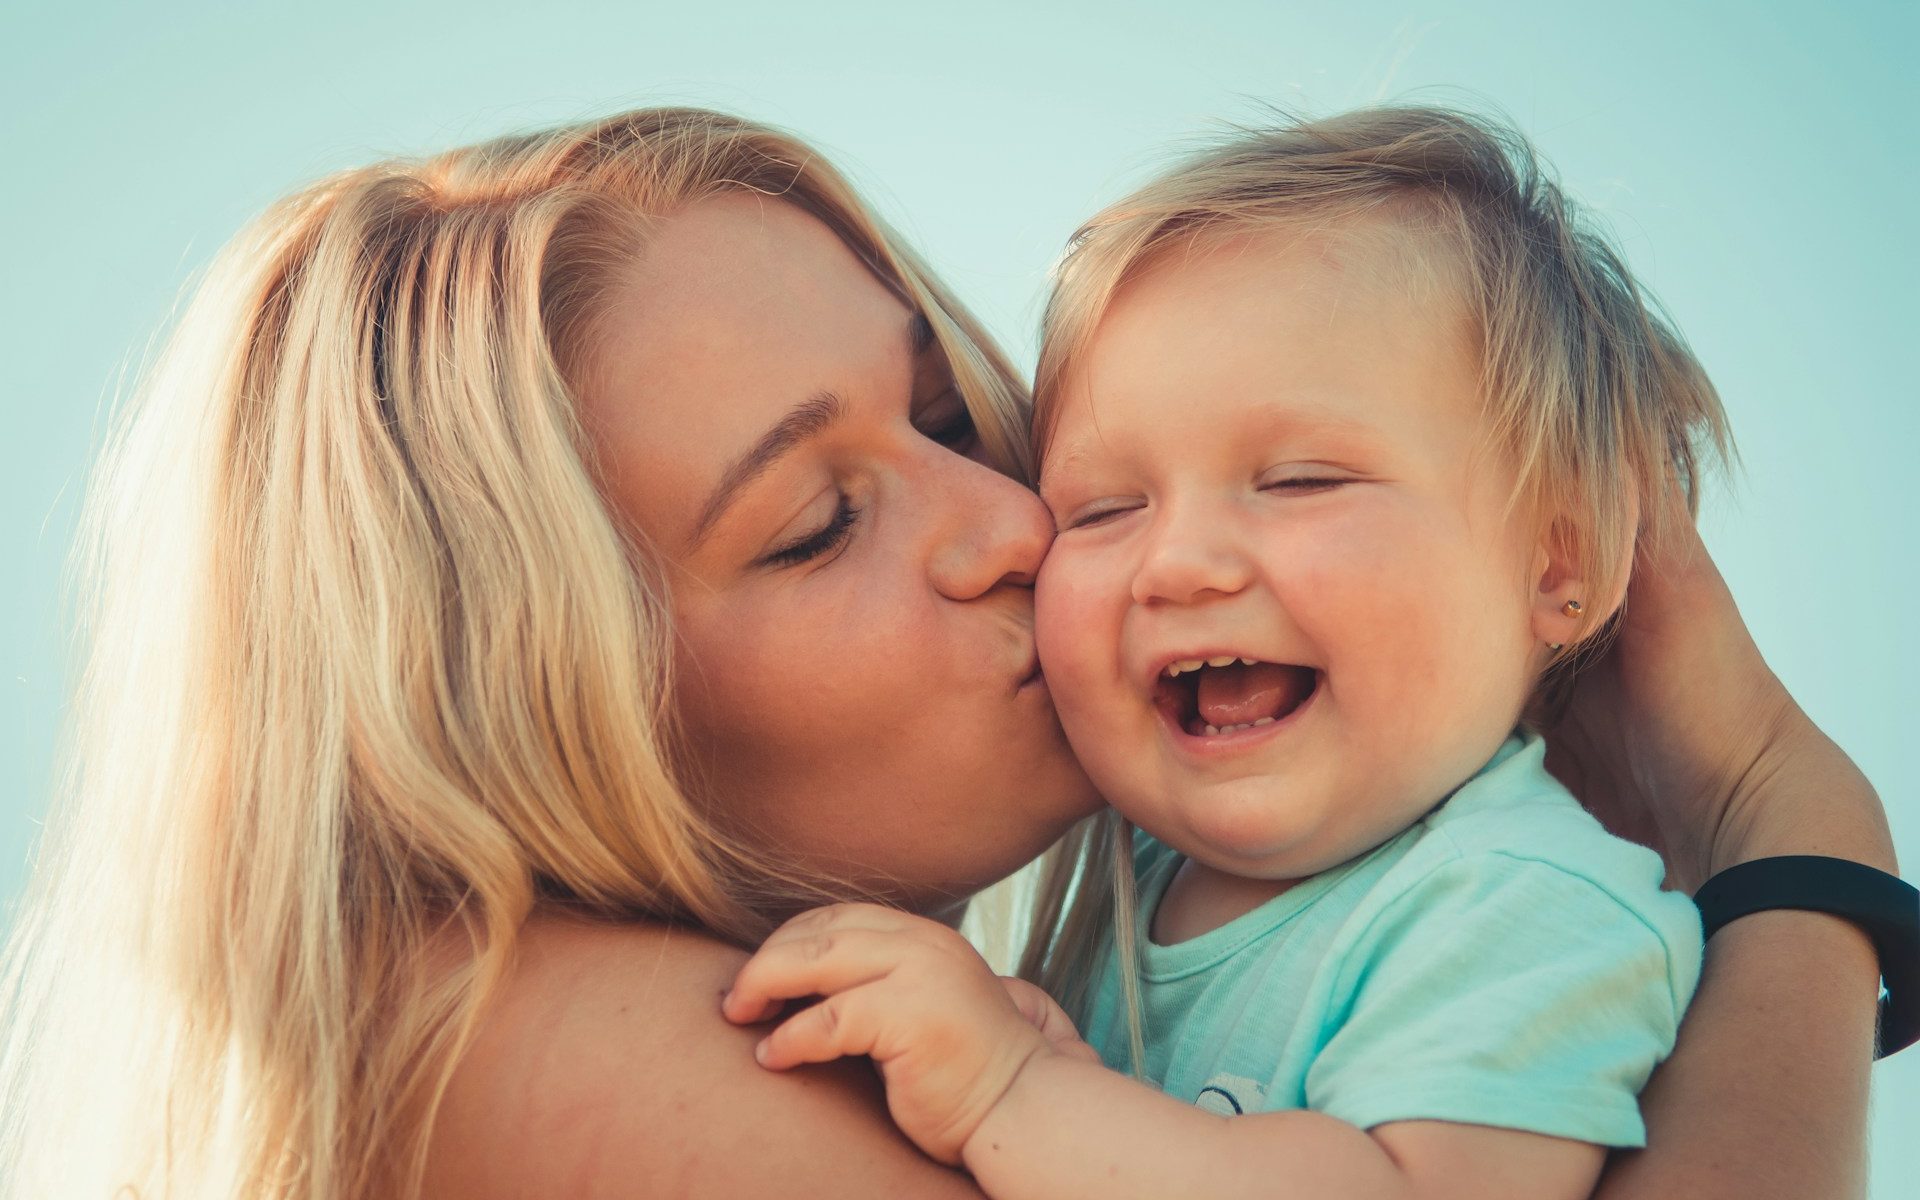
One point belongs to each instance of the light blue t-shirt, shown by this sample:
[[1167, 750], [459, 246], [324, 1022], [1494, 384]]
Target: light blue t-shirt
[[1503, 962]]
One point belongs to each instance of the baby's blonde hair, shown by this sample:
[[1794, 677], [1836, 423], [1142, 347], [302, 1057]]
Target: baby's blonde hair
[[373, 669], [1591, 394]]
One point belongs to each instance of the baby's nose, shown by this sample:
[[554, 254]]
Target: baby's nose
[[1188, 557]]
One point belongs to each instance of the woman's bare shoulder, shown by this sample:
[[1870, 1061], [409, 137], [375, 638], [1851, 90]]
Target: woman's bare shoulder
[[605, 1070]]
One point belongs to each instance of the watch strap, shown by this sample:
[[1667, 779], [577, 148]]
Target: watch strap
[[1884, 906]]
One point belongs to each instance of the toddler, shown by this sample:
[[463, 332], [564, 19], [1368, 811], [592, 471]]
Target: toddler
[[1348, 430]]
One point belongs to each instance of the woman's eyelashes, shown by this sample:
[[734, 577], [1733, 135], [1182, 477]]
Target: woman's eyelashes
[[829, 537], [945, 421]]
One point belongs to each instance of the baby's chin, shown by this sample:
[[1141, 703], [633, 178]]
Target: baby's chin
[[1267, 861], [1247, 835], [1269, 828]]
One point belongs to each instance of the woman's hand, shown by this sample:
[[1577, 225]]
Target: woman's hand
[[1680, 737], [948, 1035]]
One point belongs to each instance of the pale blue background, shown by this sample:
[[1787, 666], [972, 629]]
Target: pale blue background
[[1757, 158]]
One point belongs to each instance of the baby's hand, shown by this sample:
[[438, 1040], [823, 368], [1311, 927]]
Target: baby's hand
[[948, 1035], [1045, 1014]]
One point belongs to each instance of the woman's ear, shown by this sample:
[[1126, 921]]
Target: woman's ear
[[1567, 607]]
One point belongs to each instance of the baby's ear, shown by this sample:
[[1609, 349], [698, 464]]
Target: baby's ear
[[1568, 607]]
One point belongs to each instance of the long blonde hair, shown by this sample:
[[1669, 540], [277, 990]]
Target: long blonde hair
[[1593, 395], [372, 669]]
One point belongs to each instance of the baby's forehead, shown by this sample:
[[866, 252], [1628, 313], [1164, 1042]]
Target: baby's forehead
[[1407, 244], [1234, 287]]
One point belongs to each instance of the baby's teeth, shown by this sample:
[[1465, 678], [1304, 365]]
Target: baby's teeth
[[1246, 662], [1225, 660], [1191, 664], [1217, 730]]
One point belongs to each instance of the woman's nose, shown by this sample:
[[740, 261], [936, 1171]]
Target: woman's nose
[[996, 531], [1189, 555]]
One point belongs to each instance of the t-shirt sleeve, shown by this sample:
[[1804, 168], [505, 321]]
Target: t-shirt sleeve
[[1500, 990]]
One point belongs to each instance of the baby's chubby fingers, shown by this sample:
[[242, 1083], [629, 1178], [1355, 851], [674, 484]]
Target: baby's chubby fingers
[[826, 950], [1040, 1011], [845, 1025], [851, 915], [875, 918], [823, 963]]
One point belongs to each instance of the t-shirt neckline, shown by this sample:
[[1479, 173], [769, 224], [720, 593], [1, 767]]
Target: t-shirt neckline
[[1163, 963]]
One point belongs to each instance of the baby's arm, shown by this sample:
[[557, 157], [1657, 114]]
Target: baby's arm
[[987, 1074], [1067, 1128]]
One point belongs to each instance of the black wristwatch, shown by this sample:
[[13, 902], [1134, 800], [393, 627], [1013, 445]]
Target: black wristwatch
[[1885, 907]]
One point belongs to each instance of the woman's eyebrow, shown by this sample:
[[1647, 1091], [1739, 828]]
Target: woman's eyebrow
[[806, 419]]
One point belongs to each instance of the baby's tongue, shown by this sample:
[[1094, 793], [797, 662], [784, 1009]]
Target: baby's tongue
[[1239, 695]]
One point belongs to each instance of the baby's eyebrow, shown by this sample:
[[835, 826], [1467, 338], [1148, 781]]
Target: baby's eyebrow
[[1279, 422], [1066, 458], [1313, 415], [1061, 468]]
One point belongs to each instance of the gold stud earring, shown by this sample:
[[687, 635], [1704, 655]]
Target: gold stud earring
[[1572, 608]]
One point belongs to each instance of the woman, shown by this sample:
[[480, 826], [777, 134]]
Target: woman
[[536, 570]]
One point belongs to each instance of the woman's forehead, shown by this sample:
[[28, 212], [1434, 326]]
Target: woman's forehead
[[738, 309], [741, 288]]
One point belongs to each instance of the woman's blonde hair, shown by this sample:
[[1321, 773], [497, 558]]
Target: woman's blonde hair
[[372, 669], [1591, 393]]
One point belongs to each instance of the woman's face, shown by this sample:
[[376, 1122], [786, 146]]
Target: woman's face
[[851, 588]]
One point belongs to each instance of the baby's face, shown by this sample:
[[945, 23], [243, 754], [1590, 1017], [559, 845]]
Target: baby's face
[[1274, 450]]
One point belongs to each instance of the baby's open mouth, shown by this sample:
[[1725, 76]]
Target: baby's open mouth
[[1208, 697]]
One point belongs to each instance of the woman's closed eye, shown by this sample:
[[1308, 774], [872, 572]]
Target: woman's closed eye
[[947, 421], [829, 537]]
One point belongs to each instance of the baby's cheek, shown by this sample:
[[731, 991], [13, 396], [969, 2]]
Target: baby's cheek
[[1076, 630], [1066, 613]]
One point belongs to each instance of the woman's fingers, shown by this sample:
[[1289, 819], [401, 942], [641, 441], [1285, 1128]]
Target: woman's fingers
[[1681, 736]]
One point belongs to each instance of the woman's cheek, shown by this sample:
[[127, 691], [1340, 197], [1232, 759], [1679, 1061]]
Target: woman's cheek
[[766, 677]]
